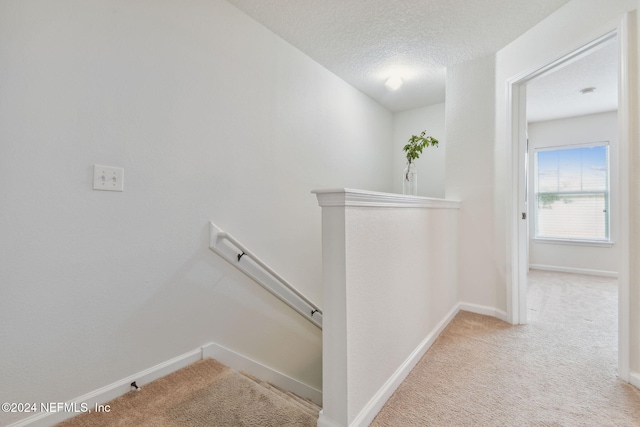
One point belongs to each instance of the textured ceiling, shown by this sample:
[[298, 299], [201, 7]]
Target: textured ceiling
[[558, 94], [366, 41]]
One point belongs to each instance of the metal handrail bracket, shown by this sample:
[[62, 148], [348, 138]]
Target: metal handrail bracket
[[244, 260]]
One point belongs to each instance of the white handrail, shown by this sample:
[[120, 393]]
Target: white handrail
[[264, 275]]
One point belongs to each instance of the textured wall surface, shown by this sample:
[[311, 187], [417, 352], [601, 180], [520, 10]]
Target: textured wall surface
[[212, 117], [401, 281], [470, 111]]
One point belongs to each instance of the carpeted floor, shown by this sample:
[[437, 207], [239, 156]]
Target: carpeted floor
[[204, 394], [558, 370]]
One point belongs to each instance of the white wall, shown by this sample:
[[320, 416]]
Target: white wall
[[470, 110], [401, 282], [390, 281], [212, 117], [431, 164], [576, 130]]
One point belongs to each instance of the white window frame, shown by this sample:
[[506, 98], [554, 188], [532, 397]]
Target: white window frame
[[606, 242]]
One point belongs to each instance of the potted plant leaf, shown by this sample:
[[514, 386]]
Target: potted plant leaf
[[413, 149]]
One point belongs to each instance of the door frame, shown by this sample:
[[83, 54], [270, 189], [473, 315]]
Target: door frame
[[516, 120]]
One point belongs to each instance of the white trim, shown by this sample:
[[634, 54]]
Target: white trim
[[371, 409], [241, 363], [324, 421], [572, 146], [588, 45], [634, 379], [586, 271], [483, 309], [342, 197], [377, 402], [627, 142], [557, 241], [113, 390], [123, 386]]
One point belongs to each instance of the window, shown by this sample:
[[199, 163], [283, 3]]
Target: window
[[572, 192]]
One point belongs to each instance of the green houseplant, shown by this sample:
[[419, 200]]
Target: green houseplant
[[412, 150]]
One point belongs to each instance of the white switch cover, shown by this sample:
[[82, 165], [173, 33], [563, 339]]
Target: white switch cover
[[108, 178]]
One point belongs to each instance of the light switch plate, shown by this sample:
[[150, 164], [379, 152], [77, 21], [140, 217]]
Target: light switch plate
[[108, 178]]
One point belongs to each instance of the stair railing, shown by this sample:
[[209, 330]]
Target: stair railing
[[244, 260]]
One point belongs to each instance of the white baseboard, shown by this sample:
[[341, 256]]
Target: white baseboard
[[483, 309], [634, 379], [586, 271], [241, 363], [123, 386], [371, 409], [111, 391], [324, 421]]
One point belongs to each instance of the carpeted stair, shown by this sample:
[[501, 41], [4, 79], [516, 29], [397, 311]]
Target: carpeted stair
[[206, 393]]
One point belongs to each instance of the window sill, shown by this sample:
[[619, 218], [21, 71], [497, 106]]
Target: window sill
[[596, 243]]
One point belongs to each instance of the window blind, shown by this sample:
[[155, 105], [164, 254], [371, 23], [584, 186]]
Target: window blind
[[572, 192]]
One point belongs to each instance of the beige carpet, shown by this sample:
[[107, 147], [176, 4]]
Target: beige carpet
[[206, 393], [558, 370]]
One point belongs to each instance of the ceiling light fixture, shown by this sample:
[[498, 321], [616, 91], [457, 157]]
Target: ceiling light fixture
[[393, 82], [587, 90]]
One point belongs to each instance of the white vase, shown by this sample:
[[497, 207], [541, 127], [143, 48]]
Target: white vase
[[410, 180]]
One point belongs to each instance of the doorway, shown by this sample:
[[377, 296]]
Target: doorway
[[572, 156], [517, 304]]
